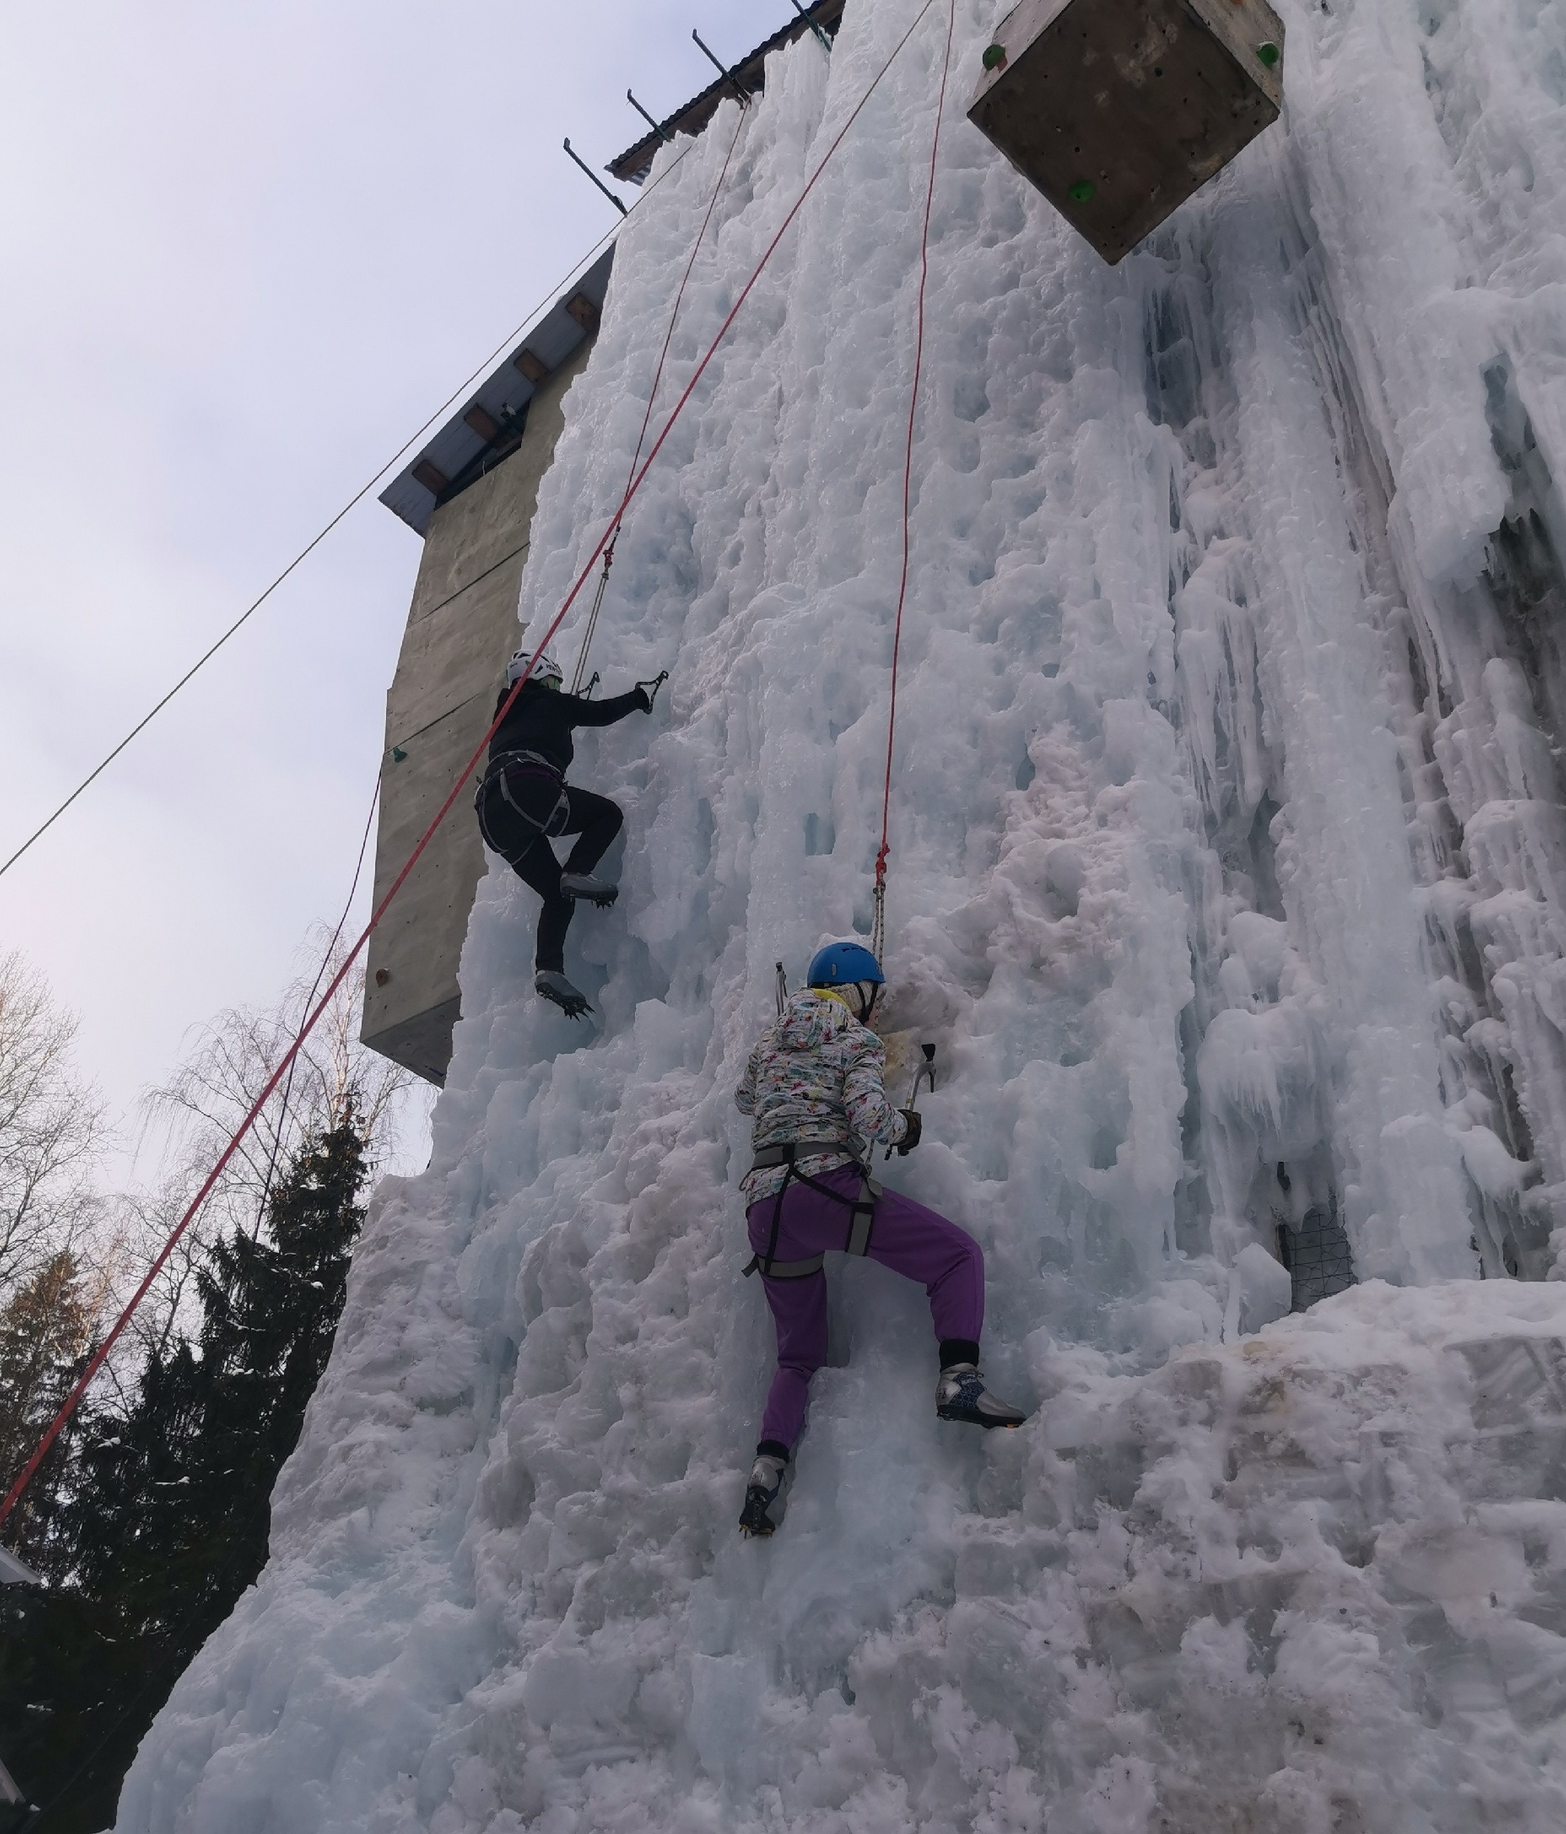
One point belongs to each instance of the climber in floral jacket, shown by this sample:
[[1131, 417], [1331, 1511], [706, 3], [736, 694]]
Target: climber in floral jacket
[[814, 1085]]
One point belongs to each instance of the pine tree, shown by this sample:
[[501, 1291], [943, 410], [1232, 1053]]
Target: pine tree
[[44, 1332], [168, 1521], [196, 1461]]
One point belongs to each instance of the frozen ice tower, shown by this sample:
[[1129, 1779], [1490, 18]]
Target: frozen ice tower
[[1227, 876]]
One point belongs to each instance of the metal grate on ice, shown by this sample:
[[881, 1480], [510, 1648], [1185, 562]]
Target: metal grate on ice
[[1316, 1252]]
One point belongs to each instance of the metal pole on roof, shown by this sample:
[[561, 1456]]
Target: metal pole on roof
[[597, 181], [739, 89], [647, 117], [826, 43]]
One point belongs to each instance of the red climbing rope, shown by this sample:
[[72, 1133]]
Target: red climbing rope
[[883, 852], [668, 338], [74, 1398]]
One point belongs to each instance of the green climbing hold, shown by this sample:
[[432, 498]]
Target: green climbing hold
[[994, 57], [1268, 53], [398, 754], [1082, 191]]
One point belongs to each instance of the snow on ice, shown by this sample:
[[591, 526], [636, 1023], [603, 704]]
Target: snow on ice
[[1227, 876]]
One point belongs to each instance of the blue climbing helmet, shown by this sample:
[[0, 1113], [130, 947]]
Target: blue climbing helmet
[[841, 964]]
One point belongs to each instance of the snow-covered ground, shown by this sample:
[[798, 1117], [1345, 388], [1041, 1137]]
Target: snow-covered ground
[[1228, 876]]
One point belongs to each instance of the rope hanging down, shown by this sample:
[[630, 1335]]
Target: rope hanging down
[[883, 852], [98, 1359], [309, 1001], [603, 578]]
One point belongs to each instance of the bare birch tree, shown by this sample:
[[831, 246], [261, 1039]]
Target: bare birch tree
[[51, 1129], [195, 1113]]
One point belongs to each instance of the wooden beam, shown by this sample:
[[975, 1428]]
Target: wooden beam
[[532, 367], [484, 424], [431, 477]]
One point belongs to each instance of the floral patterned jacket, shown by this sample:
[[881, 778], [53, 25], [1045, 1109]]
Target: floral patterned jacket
[[816, 1074]]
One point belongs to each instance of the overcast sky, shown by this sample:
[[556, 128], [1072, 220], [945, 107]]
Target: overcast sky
[[247, 249]]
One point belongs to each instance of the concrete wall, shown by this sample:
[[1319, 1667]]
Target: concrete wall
[[461, 629]]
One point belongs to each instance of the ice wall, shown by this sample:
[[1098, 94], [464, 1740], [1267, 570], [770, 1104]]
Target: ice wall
[[1227, 878]]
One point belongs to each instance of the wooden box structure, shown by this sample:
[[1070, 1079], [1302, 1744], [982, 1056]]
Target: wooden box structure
[[1119, 109]]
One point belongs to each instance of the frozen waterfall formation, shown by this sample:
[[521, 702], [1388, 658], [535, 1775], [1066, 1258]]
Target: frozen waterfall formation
[[1227, 875]]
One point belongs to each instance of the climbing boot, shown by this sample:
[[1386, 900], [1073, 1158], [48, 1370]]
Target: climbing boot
[[549, 985], [584, 885], [766, 1480], [960, 1394]]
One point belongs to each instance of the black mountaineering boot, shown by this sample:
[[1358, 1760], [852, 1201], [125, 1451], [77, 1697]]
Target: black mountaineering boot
[[554, 987], [766, 1480], [960, 1393], [584, 885]]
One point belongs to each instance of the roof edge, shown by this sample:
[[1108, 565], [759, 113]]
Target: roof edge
[[632, 166]]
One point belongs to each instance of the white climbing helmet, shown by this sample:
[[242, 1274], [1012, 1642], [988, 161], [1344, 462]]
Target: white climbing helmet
[[547, 670]]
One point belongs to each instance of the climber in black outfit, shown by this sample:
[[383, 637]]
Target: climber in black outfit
[[524, 801]]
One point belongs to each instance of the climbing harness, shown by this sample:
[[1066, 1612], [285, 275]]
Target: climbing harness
[[501, 769], [883, 852], [861, 1209], [652, 397], [524, 764], [112, 1336]]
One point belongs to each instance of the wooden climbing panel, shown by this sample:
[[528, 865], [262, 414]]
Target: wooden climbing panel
[[1118, 110]]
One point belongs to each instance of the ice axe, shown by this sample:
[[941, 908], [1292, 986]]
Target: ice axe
[[926, 1070]]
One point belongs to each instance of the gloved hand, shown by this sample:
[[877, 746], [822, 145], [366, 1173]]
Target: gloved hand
[[649, 689], [915, 1128]]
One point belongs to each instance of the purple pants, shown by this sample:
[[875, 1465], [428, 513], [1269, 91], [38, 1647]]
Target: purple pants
[[907, 1238]]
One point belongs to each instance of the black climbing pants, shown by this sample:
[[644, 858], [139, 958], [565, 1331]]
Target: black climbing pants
[[554, 808]]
